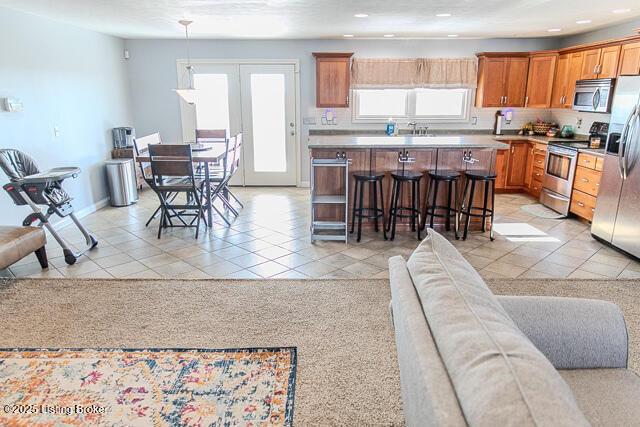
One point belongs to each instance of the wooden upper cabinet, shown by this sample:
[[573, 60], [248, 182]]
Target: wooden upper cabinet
[[560, 81], [609, 62], [516, 82], [568, 71], [629, 59], [590, 61], [600, 63], [502, 80], [540, 80], [575, 69], [333, 71], [491, 82]]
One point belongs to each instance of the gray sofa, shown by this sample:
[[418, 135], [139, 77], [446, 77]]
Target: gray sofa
[[468, 357]]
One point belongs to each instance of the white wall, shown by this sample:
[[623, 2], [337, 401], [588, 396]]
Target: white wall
[[152, 71], [68, 78]]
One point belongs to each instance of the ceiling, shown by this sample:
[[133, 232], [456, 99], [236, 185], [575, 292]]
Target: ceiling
[[296, 19]]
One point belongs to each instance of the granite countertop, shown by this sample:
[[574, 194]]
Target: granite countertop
[[593, 151], [541, 139], [404, 141]]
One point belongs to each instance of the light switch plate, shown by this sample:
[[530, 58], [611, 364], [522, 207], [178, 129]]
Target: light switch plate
[[309, 120]]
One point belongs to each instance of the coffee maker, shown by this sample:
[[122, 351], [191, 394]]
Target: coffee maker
[[123, 137], [598, 134]]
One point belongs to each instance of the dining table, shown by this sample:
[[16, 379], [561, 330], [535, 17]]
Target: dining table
[[204, 154]]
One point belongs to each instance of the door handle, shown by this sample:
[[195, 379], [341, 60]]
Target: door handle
[[596, 99], [623, 143]]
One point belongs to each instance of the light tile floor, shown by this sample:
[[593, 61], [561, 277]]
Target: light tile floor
[[271, 239]]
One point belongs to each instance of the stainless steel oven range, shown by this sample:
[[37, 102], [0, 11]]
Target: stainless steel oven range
[[559, 172]]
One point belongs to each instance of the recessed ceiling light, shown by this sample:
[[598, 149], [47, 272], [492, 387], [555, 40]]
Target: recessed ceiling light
[[348, 35], [360, 15], [443, 15], [452, 35], [389, 35], [621, 10], [583, 21], [554, 30]]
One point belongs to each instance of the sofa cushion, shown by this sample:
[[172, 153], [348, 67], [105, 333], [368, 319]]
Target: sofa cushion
[[608, 397], [18, 242], [499, 376]]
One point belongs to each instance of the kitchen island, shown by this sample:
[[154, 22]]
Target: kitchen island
[[387, 154]]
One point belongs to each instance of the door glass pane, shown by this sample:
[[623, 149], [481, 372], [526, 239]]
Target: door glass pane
[[269, 122], [212, 101]]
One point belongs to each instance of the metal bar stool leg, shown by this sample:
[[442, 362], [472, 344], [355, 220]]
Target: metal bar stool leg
[[484, 206], [417, 206], [463, 200], [413, 206], [384, 229], [360, 210], [469, 206], [391, 202], [434, 202], [455, 210], [447, 221], [395, 208], [353, 208], [372, 184], [493, 199]]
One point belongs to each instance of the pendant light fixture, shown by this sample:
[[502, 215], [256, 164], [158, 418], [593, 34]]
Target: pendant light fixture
[[188, 94]]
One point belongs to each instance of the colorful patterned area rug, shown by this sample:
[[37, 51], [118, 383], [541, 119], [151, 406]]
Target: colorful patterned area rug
[[143, 387]]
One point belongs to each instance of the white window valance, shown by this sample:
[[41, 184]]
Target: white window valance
[[414, 73]]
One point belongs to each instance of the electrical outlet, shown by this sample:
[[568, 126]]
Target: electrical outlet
[[578, 121], [309, 120], [474, 121], [56, 132]]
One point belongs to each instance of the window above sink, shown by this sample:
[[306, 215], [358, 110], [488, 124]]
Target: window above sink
[[432, 105]]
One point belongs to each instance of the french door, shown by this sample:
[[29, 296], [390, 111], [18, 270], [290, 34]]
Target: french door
[[258, 100]]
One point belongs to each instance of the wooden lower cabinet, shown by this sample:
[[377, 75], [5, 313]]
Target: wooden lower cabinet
[[586, 185], [387, 160], [502, 159], [521, 167], [517, 163], [583, 205]]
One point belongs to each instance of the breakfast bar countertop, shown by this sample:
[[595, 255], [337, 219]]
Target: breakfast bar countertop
[[405, 141]]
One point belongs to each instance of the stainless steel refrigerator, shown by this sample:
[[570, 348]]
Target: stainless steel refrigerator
[[617, 216]]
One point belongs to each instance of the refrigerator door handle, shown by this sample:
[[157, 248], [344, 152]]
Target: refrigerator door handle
[[630, 134], [623, 145]]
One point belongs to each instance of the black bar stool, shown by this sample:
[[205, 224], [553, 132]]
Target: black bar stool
[[431, 209], [372, 211], [395, 211], [489, 180]]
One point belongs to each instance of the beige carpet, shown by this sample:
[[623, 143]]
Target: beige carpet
[[625, 293], [347, 369]]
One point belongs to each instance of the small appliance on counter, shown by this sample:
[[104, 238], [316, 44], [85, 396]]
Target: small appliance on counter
[[497, 125], [598, 134], [123, 137], [567, 132]]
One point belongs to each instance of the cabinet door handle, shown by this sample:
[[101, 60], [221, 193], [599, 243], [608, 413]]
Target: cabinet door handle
[[595, 69], [506, 99], [581, 204], [526, 101], [585, 180]]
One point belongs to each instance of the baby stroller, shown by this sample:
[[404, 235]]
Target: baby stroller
[[31, 187]]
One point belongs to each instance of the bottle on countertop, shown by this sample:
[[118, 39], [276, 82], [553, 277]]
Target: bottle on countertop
[[392, 128], [497, 125]]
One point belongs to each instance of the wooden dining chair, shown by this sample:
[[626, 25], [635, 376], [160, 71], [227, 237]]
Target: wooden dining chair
[[172, 174], [207, 136]]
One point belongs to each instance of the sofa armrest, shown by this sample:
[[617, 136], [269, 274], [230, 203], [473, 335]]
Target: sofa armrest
[[572, 333]]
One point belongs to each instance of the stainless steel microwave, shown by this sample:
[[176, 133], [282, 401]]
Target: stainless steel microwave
[[593, 95]]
